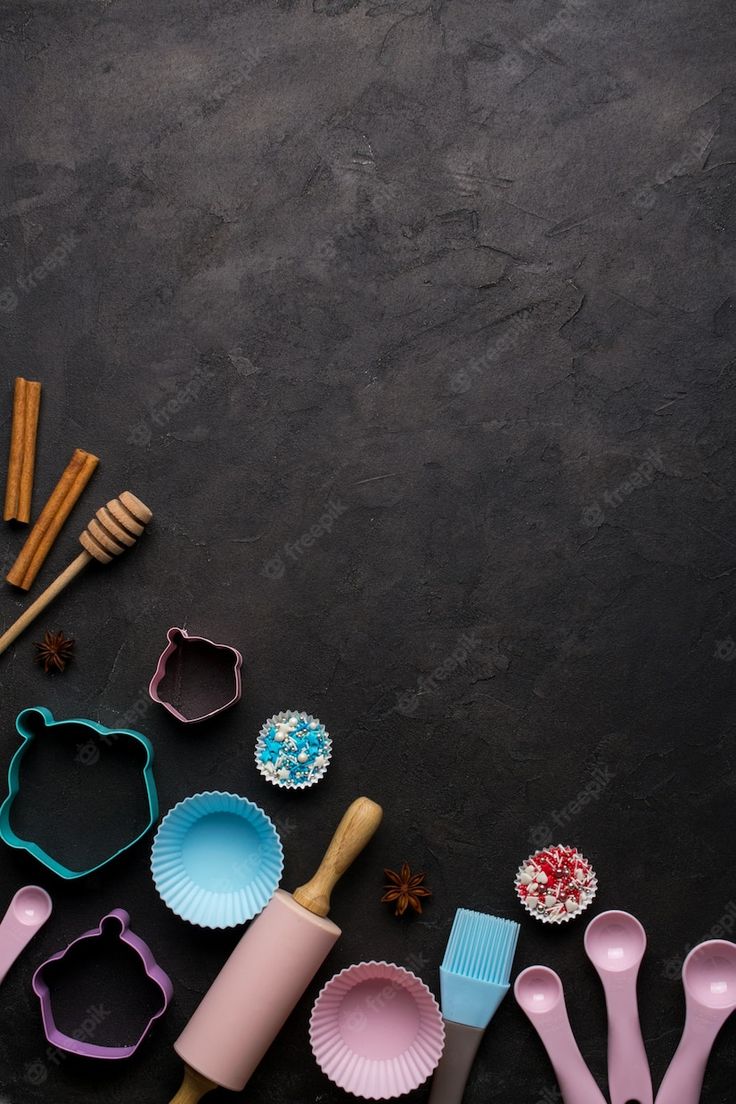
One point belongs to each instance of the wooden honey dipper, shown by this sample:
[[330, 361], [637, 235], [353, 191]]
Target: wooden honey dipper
[[114, 528]]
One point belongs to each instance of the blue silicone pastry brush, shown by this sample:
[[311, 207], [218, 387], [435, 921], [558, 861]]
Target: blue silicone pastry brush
[[474, 979]]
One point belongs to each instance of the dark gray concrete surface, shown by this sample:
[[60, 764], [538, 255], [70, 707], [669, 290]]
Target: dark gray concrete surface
[[460, 276]]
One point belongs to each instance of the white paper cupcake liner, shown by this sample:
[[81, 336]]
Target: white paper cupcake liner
[[282, 768], [554, 909]]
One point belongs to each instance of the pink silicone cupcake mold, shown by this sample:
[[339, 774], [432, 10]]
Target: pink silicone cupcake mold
[[376, 1031]]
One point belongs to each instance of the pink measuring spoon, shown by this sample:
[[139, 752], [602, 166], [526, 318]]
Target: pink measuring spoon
[[538, 991], [615, 943], [27, 912], [709, 980]]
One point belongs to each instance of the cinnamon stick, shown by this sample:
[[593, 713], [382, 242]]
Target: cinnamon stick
[[22, 460], [74, 479], [15, 459]]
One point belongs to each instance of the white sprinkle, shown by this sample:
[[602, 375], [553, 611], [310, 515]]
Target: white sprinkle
[[302, 757], [571, 905], [525, 878], [542, 877]]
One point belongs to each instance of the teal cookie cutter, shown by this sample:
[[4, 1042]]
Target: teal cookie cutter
[[28, 722]]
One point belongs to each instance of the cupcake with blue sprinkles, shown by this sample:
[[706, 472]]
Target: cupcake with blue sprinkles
[[293, 750]]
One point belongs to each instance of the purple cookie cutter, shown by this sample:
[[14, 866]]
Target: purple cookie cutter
[[195, 678], [121, 920]]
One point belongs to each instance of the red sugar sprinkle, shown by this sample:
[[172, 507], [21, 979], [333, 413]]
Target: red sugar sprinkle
[[556, 883]]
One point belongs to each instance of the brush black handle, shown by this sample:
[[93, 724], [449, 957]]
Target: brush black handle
[[451, 1075]]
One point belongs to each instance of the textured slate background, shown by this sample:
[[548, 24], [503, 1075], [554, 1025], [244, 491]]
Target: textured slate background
[[461, 268]]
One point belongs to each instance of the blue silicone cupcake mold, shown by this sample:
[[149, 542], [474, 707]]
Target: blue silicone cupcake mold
[[216, 860]]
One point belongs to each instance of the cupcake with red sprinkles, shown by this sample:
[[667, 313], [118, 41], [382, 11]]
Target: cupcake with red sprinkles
[[556, 884]]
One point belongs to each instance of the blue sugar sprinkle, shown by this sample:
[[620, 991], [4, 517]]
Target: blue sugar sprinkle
[[280, 757]]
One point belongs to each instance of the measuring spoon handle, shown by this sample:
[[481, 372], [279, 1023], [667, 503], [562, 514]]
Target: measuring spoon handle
[[683, 1082], [13, 938], [574, 1078], [629, 1077]]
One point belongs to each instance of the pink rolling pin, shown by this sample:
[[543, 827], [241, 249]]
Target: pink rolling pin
[[268, 971], [615, 943], [538, 990], [709, 980]]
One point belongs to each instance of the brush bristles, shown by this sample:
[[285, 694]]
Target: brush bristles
[[481, 947]]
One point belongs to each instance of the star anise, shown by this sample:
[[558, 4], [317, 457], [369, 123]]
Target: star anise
[[405, 889], [54, 651]]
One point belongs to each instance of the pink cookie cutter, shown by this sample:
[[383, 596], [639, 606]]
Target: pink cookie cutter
[[195, 678]]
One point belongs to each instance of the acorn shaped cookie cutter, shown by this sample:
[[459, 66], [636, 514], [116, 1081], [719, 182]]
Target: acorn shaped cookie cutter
[[195, 678], [81, 1042], [77, 746]]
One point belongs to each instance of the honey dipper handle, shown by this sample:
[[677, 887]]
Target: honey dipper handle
[[44, 600], [356, 828]]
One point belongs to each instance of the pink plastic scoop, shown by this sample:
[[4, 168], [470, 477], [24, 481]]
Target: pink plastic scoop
[[709, 980], [615, 943], [538, 990], [27, 912]]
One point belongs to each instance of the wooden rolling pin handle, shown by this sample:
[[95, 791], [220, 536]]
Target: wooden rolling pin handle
[[193, 1087], [44, 600], [356, 828]]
